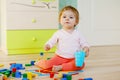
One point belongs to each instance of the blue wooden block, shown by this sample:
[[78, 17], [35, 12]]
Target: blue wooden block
[[32, 62], [79, 58], [41, 53], [24, 79], [88, 78], [64, 75], [18, 66], [18, 74], [63, 78], [2, 70]]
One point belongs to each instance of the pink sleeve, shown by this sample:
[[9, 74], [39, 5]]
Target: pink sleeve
[[83, 42], [53, 40]]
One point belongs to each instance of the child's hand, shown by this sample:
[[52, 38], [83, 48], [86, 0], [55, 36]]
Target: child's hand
[[47, 47], [86, 50]]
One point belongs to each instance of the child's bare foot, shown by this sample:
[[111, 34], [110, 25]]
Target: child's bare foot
[[57, 68]]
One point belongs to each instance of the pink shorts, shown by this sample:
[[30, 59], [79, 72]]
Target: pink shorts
[[67, 64]]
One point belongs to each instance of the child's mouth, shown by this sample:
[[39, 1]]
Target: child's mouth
[[67, 22]]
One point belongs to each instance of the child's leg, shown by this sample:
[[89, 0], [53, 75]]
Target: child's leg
[[70, 66], [48, 64]]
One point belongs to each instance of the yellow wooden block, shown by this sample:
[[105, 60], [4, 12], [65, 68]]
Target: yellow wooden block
[[1, 65], [29, 75], [34, 75], [60, 75], [5, 77]]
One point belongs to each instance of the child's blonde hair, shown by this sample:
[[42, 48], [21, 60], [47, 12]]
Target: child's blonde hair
[[74, 10]]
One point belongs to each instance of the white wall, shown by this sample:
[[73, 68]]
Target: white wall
[[0, 23], [99, 21]]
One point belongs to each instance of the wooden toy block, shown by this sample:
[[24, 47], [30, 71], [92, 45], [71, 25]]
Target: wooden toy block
[[1, 65], [52, 74], [41, 53], [24, 75], [86, 79], [13, 69], [2, 70], [18, 74], [28, 65], [32, 62], [29, 75], [5, 77], [69, 77]]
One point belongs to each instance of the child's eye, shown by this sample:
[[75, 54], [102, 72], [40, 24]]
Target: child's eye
[[64, 16], [71, 17]]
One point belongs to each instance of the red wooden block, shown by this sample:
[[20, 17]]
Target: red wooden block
[[13, 69], [52, 74]]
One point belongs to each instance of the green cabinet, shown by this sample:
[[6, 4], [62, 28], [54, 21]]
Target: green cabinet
[[27, 25], [28, 41]]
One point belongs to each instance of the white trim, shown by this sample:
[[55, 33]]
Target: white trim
[[3, 26], [0, 24]]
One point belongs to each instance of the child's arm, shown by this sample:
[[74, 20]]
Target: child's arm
[[84, 45], [51, 42]]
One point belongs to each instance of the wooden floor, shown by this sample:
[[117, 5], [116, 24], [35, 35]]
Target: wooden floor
[[102, 64]]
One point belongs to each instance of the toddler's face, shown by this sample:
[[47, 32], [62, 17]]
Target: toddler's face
[[68, 19]]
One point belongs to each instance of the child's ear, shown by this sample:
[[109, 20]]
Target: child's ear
[[76, 23]]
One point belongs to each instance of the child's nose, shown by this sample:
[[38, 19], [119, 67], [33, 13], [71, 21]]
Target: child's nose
[[67, 19]]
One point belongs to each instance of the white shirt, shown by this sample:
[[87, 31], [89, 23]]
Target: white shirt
[[67, 43]]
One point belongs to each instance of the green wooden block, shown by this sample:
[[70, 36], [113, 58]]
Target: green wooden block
[[24, 75], [28, 65], [13, 74]]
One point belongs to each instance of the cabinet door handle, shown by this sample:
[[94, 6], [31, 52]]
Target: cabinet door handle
[[33, 20], [33, 2], [34, 38]]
